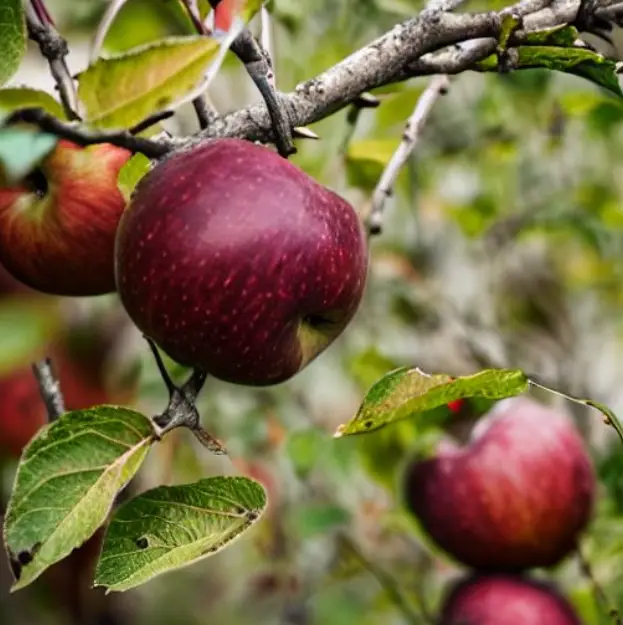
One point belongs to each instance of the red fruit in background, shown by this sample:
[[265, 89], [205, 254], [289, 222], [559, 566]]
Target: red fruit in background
[[515, 497], [22, 412], [505, 600], [57, 228], [235, 261]]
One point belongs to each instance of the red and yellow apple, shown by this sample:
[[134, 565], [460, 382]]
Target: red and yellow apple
[[57, 227]]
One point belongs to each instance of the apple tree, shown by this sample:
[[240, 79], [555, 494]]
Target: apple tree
[[325, 241]]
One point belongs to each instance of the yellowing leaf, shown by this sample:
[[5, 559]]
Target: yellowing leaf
[[24, 97], [377, 151], [120, 91]]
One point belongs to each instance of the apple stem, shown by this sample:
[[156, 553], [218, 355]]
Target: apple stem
[[181, 411], [259, 66], [54, 49], [50, 388]]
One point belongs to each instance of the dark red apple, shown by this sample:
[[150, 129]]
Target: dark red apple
[[57, 228], [516, 496], [233, 260], [505, 600]]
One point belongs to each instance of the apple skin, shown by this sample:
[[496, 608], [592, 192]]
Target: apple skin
[[517, 496], [505, 599], [236, 262], [57, 228]]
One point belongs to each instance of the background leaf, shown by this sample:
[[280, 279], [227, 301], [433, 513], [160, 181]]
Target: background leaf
[[173, 526], [12, 38], [66, 483]]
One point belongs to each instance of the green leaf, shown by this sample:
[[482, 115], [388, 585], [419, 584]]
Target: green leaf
[[578, 61], [120, 91], [157, 20], [173, 526], [66, 483], [317, 519], [26, 328], [368, 366], [21, 150], [24, 97], [305, 448], [407, 392], [12, 38], [131, 173], [366, 159], [564, 36]]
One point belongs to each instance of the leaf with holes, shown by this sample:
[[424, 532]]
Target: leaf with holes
[[122, 90], [407, 392], [12, 37], [66, 483], [173, 526]]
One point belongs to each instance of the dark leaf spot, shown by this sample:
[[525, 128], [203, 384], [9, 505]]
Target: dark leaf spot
[[142, 542]]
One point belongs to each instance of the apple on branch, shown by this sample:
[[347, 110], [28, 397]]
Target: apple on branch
[[505, 600], [236, 262], [57, 227], [517, 496]]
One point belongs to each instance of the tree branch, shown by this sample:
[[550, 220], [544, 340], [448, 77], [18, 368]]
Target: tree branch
[[393, 57], [438, 86], [54, 48], [259, 67], [50, 389], [124, 139], [432, 42]]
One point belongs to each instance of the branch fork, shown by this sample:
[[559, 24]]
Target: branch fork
[[181, 411]]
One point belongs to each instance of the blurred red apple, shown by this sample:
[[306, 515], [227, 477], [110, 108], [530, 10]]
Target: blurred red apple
[[57, 227], [515, 497], [22, 412], [505, 600]]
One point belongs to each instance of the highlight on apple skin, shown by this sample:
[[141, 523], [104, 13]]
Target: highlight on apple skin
[[57, 227], [505, 600], [517, 496], [235, 261]]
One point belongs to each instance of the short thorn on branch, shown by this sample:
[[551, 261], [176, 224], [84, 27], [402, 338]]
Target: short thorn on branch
[[50, 389], [181, 411]]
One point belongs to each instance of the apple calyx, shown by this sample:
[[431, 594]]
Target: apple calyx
[[181, 410]]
